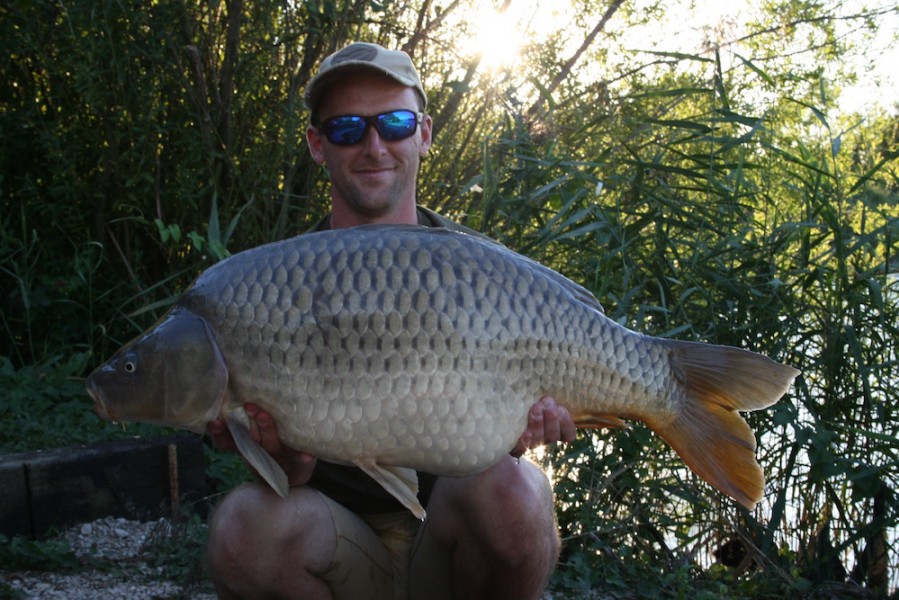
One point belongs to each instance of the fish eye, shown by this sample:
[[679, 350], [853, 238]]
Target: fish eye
[[129, 363]]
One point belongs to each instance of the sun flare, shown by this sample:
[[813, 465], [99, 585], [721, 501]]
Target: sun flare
[[495, 39], [499, 37]]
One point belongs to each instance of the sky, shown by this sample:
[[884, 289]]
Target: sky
[[499, 36]]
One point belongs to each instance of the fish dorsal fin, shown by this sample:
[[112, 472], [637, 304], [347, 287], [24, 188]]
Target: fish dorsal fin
[[258, 458], [401, 482]]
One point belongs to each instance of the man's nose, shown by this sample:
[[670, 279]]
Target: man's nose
[[372, 140]]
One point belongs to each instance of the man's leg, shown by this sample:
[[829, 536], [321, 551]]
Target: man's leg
[[499, 529], [304, 546]]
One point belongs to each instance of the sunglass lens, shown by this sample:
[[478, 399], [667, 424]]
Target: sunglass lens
[[397, 124], [345, 131]]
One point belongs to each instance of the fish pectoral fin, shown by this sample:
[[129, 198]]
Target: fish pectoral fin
[[258, 458], [591, 420], [401, 482]]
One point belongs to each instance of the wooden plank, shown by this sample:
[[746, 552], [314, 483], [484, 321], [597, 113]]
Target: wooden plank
[[14, 512], [123, 478]]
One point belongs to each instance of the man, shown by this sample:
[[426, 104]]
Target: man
[[337, 534]]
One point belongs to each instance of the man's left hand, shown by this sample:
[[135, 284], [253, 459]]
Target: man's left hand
[[547, 423]]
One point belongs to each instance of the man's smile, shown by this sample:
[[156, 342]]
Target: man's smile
[[372, 170]]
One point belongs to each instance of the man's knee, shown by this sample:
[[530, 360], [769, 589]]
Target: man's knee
[[509, 508], [233, 531], [525, 503], [501, 527], [253, 534]]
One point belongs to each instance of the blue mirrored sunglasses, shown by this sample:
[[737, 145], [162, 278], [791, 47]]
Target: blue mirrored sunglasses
[[394, 125]]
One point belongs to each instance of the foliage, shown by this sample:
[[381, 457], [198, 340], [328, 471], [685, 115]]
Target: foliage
[[224, 470], [7, 592], [19, 552], [45, 406], [713, 193], [176, 549]]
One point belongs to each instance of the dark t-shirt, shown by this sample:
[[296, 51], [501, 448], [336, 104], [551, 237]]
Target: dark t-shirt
[[350, 486]]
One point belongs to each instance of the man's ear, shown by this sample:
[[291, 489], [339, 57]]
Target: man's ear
[[426, 124], [314, 139]]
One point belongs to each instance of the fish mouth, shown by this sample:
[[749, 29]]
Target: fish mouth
[[100, 407]]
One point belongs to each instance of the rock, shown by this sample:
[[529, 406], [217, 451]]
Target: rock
[[118, 540]]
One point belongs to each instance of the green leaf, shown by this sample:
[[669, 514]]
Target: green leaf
[[758, 71]]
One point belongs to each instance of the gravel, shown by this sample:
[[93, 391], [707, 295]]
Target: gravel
[[124, 546], [127, 545]]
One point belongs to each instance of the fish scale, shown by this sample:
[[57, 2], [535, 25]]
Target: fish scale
[[424, 299], [401, 348]]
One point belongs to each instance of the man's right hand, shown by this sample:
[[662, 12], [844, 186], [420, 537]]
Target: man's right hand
[[296, 464]]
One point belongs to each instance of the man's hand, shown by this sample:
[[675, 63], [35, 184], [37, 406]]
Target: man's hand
[[547, 423], [297, 465]]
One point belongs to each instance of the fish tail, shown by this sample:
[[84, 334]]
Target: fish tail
[[707, 431]]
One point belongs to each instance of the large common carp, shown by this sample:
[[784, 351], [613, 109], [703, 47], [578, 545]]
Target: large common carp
[[402, 348]]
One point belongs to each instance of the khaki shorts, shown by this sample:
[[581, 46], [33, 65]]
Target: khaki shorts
[[386, 557]]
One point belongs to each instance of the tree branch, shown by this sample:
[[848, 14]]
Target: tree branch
[[565, 71]]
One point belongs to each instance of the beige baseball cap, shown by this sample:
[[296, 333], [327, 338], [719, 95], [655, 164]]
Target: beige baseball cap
[[363, 55]]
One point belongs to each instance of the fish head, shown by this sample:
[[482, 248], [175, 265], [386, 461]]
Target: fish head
[[172, 375]]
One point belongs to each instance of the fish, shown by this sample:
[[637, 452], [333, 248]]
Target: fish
[[401, 348]]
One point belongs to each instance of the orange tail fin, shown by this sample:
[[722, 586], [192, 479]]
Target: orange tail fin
[[708, 432]]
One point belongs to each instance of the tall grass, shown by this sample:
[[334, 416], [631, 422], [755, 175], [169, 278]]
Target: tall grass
[[679, 236]]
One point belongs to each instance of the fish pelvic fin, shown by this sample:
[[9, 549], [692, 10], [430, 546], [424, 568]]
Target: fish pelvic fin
[[595, 420], [708, 432], [401, 482], [270, 471]]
